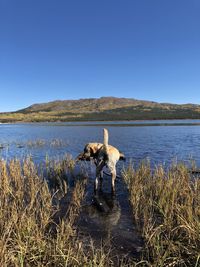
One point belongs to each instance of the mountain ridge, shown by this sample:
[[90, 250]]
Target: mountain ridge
[[103, 108], [103, 102]]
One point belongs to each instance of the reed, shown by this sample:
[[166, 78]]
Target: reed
[[34, 230], [27, 216], [38, 143], [166, 209]]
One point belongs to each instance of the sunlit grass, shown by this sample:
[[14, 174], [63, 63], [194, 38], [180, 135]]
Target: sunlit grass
[[166, 209], [35, 231]]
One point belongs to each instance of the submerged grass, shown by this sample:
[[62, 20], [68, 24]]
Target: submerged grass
[[166, 209]]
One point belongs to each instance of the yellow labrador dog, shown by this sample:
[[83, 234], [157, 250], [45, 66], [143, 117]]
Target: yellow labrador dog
[[103, 155]]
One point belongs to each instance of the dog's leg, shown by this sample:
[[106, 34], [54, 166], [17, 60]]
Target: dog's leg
[[101, 179], [99, 168], [113, 174]]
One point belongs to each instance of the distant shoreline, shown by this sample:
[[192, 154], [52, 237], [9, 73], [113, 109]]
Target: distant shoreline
[[114, 123]]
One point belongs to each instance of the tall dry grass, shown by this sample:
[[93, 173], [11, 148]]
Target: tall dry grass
[[35, 229], [166, 208], [27, 217]]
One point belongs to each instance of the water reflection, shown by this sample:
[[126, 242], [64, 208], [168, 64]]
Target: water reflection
[[107, 218], [104, 211]]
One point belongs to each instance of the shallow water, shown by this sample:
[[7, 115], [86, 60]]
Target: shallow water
[[161, 144], [106, 218]]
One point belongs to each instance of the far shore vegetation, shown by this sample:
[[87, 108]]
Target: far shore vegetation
[[165, 210]]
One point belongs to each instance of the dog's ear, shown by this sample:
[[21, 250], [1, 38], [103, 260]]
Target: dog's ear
[[90, 149], [86, 148], [93, 151], [94, 148]]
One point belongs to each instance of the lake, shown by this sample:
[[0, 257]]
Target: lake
[[160, 141], [103, 215]]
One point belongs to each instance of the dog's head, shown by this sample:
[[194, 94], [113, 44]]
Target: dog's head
[[90, 151]]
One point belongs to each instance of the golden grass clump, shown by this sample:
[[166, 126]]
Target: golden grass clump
[[166, 208], [30, 235], [39, 211], [25, 211]]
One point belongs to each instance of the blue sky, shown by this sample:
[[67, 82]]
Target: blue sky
[[62, 49]]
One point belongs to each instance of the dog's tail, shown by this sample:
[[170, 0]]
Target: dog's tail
[[105, 140], [105, 137]]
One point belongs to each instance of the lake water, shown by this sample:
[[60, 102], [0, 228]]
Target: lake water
[[160, 141], [103, 216]]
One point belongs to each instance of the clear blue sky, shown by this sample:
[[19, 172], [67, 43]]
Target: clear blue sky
[[71, 49]]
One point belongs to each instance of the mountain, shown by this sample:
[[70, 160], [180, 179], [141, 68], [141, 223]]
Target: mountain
[[104, 108], [87, 105]]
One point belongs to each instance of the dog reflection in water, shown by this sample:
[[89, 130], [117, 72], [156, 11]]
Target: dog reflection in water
[[104, 212]]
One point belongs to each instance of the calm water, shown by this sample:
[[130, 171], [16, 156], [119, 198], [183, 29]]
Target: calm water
[[163, 143], [104, 217]]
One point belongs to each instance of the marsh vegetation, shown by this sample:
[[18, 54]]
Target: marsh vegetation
[[31, 231], [166, 209], [37, 229]]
